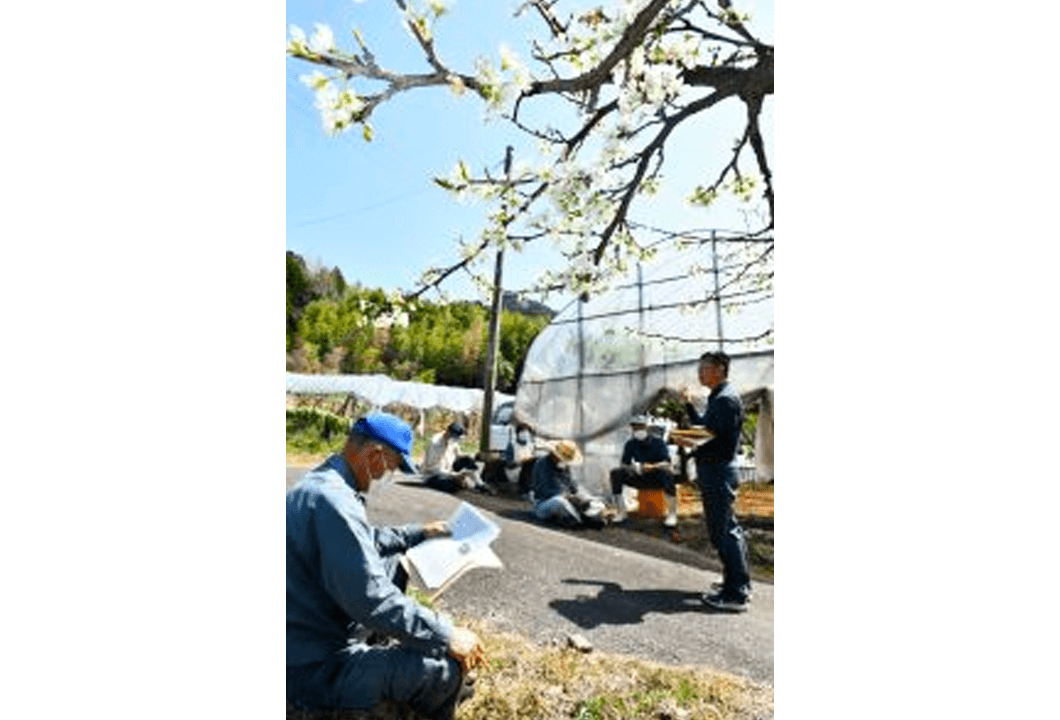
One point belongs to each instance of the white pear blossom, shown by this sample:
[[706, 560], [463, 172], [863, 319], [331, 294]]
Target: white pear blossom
[[322, 40], [297, 41], [456, 84], [315, 81], [327, 97], [662, 82], [509, 59]]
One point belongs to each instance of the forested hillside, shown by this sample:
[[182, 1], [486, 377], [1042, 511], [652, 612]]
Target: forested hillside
[[335, 327]]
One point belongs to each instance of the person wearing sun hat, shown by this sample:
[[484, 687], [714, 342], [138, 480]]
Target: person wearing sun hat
[[345, 590], [555, 494]]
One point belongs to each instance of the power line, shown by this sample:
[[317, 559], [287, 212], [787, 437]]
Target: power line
[[366, 208]]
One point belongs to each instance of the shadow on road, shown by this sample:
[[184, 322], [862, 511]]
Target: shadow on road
[[613, 605]]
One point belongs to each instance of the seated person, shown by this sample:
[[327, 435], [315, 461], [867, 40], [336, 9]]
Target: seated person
[[645, 465], [445, 469], [345, 590], [520, 454], [556, 496]]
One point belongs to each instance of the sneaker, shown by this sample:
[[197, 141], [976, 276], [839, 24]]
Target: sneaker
[[671, 514], [720, 602], [620, 515], [718, 587]]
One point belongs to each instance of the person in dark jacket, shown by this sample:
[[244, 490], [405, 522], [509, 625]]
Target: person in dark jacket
[[718, 481], [645, 465]]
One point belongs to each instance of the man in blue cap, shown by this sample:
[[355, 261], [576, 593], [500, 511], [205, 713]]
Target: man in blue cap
[[345, 590]]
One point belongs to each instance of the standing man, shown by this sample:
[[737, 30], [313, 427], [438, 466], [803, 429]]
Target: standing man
[[345, 590], [718, 480]]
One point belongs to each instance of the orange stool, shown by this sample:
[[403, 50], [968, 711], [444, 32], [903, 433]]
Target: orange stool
[[652, 503]]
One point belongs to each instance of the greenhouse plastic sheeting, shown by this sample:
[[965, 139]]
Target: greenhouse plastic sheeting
[[380, 391], [600, 362]]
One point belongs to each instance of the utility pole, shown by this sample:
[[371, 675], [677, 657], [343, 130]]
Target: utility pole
[[717, 287], [490, 379]]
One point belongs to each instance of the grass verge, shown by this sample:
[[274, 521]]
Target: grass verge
[[528, 681], [525, 680]]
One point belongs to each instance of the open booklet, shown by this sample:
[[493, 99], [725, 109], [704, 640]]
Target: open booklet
[[690, 437], [440, 561]]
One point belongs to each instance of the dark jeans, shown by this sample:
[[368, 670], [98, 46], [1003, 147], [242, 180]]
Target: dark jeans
[[364, 676], [718, 485], [366, 673], [651, 480]]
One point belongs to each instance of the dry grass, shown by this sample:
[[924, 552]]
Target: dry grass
[[755, 500], [527, 681]]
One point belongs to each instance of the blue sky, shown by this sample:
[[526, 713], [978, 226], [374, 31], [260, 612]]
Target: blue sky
[[372, 210]]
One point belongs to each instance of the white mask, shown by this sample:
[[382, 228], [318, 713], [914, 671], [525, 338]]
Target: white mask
[[382, 481], [523, 436], [640, 434]]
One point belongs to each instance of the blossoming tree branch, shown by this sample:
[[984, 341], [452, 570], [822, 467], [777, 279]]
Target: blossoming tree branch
[[626, 76]]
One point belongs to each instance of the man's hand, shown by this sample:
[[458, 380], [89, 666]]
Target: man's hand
[[437, 528], [466, 648]]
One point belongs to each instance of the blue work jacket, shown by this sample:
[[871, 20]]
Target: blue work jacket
[[337, 584]]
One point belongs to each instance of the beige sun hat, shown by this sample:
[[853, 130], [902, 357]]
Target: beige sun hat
[[567, 451]]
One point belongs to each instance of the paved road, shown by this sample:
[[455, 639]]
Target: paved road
[[554, 584]]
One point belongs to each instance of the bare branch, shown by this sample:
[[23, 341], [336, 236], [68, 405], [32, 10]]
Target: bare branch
[[754, 109]]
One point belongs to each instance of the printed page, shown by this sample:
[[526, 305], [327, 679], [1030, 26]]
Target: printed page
[[439, 559], [468, 524]]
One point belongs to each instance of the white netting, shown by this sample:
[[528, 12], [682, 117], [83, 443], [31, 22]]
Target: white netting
[[380, 391]]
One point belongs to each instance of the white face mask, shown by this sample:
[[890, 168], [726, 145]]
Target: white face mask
[[640, 434], [382, 481], [523, 436]]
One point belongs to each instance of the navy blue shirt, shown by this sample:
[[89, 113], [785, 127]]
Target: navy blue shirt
[[724, 418], [649, 450]]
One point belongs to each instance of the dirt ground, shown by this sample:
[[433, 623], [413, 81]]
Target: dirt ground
[[687, 543]]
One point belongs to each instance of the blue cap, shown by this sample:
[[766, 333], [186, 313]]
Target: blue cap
[[392, 431]]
